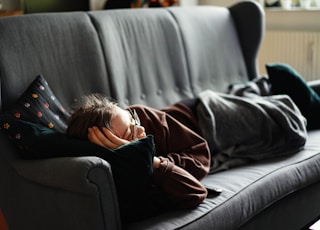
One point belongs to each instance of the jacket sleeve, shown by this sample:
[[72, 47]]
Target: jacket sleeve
[[184, 155], [176, 139], [182, 189], [186, 148]]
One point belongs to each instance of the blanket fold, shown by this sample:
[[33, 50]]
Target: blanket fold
[[244, 129]]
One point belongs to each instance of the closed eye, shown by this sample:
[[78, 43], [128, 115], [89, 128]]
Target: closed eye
[[127, 135]]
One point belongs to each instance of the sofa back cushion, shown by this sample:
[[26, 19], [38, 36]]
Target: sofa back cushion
[[144, 55], [160, 56], [212, 47], [63, 47], [147, 56]]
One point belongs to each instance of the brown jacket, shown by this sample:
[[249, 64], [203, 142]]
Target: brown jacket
[[184, 154]]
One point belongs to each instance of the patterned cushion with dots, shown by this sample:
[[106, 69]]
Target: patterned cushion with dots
[[39, 105]]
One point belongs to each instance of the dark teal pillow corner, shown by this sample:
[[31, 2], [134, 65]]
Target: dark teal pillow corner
[[286, 80]]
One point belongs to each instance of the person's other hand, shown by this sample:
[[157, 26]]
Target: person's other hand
[[105, 138]]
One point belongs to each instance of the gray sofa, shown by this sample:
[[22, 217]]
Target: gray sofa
[[154, 57]]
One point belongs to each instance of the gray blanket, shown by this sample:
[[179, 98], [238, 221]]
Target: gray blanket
[[243, 129]]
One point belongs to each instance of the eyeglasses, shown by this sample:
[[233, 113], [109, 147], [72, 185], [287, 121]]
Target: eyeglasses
[[136, 123]]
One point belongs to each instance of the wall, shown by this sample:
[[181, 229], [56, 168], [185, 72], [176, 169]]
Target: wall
[[9, 5], [34, 6], [292, 37], [218, 2], [97, 4]]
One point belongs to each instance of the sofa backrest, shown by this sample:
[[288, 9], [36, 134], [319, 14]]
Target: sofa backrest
[[148, 56], [63, 47], [144, 54], [159, 56], [220, 44]]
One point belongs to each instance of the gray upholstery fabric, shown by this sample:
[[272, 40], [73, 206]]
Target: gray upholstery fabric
[[251, 192], [243, 15], [64, 48], [153, 57], [145, 57], [57, 193], [57, 185], [217, 59]]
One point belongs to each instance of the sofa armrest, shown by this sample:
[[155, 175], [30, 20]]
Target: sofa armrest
[[59, 172], [315, 85], [79, 175]]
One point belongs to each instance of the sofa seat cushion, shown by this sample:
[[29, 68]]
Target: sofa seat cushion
[[249, 189]]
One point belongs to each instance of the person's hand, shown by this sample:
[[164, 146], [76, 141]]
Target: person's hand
[[156, 162], [105, 138]]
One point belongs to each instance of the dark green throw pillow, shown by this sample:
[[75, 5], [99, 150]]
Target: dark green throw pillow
[[286, 80], [38, 104], [132, 164]]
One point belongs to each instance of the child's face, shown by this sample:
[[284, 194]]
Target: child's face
[[126, 125]]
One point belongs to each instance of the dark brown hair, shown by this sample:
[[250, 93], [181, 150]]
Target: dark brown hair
[[93, 110]]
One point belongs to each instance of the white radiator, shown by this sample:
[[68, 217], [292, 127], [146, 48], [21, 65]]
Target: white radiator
[[300, 49]]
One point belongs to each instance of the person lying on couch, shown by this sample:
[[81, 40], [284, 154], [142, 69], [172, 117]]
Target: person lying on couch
[[196, 136], [182, 156], [206, 134]]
